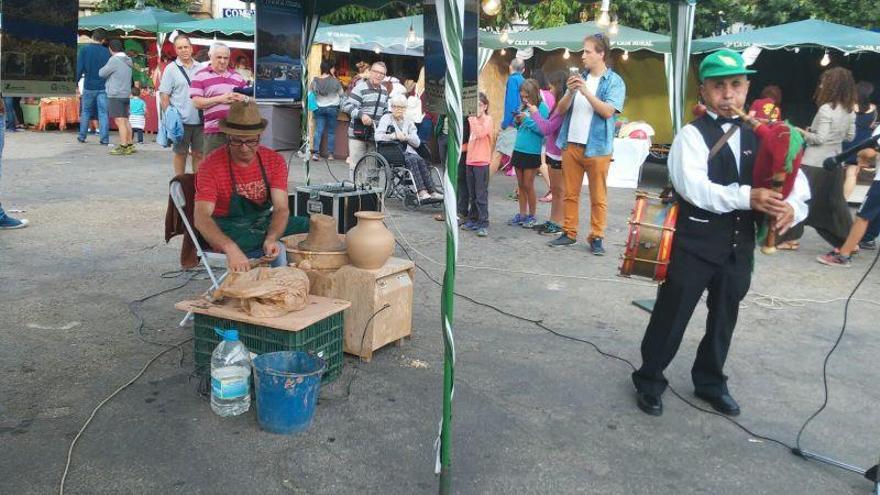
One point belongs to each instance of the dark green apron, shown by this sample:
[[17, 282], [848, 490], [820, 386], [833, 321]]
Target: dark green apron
[[247, 221]]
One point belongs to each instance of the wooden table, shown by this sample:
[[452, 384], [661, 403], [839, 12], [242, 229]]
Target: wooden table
[[317, 309]]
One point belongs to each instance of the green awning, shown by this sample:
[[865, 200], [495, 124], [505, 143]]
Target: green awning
[[146, 20], [388, 36], [571, 36], [809, 33], [227, 26]]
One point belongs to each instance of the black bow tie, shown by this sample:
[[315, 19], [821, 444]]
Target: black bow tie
[[727, 120]]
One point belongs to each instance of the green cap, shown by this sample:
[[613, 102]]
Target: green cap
[[723, 63]]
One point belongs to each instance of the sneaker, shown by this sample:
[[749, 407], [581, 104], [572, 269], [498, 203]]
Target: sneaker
[[834, 259], [596, 246], [516, 220], [529, 222], [469, 226], [129, 150], [437, 196], [562, 240], [315, 158], [81, 139], [105, 143], [868, 245], [9, 223], [482, 232], [540, 228], [118, 150], [551, 229]]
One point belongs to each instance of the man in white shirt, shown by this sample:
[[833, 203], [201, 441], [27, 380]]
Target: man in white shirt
[[174, 92], [714, 239]]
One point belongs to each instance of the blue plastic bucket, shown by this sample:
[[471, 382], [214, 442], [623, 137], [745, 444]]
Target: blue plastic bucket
[[287, 386]]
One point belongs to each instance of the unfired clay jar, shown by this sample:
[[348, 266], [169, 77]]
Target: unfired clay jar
[[370, 243]]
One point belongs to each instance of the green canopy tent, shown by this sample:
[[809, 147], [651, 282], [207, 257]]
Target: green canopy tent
[[808, 33], [227, 26], [391, 36], [146, 20]]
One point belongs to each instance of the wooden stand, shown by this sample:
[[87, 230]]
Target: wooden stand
[[369, 291]]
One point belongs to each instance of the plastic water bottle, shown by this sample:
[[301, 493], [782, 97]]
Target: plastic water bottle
[[230, 375]]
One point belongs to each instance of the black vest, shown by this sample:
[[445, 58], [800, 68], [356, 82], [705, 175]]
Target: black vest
[[708, 235]]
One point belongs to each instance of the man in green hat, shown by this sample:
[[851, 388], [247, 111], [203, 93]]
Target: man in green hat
[[710, 165]]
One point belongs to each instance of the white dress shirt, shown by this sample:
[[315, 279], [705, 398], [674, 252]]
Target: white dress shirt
[[689, 171]]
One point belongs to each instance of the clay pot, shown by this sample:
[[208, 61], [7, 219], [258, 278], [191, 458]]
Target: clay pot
[[370, 243], [314, 260]]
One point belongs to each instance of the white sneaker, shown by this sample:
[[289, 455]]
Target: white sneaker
[[436, 195]]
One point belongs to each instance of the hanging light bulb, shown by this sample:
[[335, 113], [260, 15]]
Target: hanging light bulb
[[328, 48], [625, 55], [491, 7], [377, 50], [411, 35], [826, 59], [615, 27], [604, 20], [566, 54], [503, 52], [504, 36], [797, 49]]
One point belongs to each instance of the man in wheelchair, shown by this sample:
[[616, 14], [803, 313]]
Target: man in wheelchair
[[395, 128]]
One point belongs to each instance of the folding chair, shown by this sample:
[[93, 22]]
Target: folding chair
[[208, 258]]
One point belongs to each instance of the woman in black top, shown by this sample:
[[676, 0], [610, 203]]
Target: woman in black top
[[866, 121]]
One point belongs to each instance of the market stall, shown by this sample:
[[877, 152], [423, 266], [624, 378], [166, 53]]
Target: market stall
[[397, 42]]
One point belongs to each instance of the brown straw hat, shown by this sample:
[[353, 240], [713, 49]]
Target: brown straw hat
[[243, 119]]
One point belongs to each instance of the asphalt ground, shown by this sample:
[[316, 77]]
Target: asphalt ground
[[533, 412]]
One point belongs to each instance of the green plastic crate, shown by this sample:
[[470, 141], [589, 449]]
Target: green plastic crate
[[323, 338]]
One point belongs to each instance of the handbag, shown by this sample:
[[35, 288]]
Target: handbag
[[364, 132]]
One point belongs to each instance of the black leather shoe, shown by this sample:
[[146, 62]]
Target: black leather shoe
[[723, 403], [649, 403]]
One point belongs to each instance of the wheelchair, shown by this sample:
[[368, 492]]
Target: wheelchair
[[385, 170]]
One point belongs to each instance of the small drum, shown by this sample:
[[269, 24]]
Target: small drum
[[649, 243]]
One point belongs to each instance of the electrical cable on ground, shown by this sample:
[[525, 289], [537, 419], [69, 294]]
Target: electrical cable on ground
[[776, 301], [797, 449], [347, 393], [101, 404]]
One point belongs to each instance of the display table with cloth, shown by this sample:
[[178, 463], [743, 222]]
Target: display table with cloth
[[627, 160]]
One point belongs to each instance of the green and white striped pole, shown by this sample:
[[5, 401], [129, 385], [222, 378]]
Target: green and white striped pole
[[450, 17]]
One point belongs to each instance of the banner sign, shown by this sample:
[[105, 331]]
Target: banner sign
[[435, 59], [279, 50], [38, 56]]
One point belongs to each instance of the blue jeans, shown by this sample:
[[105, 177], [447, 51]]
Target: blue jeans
[[94, 100], [873, 230], [9, 101], [281, 260], [325, 118], [2, 142]]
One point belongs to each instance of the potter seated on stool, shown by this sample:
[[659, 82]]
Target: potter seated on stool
[[241, 194]]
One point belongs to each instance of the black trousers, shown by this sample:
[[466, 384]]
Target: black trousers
[[677, 298], [478, 188], [463, 205]]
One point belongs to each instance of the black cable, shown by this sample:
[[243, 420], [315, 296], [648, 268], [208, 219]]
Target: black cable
[[347, 393], [135, 304], [540, 324], [797, 450]]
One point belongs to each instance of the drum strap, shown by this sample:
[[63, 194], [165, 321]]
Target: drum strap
[[721, 142]]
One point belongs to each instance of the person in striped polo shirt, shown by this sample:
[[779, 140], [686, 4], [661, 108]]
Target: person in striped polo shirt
[[366, 104], [211, 91]]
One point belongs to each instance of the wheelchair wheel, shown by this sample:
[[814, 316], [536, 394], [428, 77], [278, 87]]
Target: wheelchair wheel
[[437, 177], [372, 171], [410, 201]]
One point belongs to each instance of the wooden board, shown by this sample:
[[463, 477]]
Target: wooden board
[[318, 308]]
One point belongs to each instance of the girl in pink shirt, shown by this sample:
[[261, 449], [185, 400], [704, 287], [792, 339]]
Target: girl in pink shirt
[[550, 127], [478, 156]]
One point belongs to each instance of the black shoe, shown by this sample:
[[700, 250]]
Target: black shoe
[[596, 246], [723, 403], [868, 245], [649, 403], [562, 240]]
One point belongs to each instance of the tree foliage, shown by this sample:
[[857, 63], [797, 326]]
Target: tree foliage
[[170, 5], [652, 15], [354, 14]]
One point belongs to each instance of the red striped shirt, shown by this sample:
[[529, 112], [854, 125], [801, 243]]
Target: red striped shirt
[[207, 83]]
